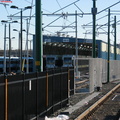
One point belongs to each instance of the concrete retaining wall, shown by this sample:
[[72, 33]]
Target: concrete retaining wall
[[98, 71], [114, 70]]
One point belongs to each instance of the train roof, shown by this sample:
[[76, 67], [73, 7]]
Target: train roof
[[66, 39]]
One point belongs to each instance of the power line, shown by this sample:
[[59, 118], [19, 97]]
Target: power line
[[53, 21], [30, 16], [109, 7], [59, 5], [103, 11], [65, 7], [79, 8], [98, 19]]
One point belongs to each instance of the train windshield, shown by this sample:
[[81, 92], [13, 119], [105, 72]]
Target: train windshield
[[67, 60], [50, 60]]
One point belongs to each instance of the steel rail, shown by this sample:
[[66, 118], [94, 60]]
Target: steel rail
[[96, 104]]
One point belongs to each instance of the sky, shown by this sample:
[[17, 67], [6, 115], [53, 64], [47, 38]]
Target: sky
[[51, 6]]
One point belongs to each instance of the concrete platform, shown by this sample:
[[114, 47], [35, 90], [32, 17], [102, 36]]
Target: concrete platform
[[82, 103]]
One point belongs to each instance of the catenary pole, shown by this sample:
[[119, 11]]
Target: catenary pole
[[5, 49], [21, 41], [94, 12], [9, 48], [27, 45], [38, 37], [76, 45], [115, 57], [108, 65]]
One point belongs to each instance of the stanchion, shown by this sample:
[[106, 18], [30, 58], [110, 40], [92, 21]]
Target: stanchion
[[46, 91], [6, 98]]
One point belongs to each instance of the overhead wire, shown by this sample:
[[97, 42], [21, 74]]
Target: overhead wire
[[46, 10], [98, 19], [105, 10], [52, 21], [6, 9], [80, 10], [4, 4], [30, 16], [59, 5], [28, 1], [108, 7], [65, 7], [31, 9], [49, 31]]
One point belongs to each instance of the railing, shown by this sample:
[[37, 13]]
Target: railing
[[28, 96]]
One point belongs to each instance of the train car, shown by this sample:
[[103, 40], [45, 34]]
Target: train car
[[1, 64], [67, 60], [54, 61], [50, 61], [13, 64]]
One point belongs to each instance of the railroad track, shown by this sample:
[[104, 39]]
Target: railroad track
[[106, 108]]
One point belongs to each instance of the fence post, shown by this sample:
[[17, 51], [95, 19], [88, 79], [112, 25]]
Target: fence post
[[23, 97], [36, 95], [46, 90], [68, 84], [53, 91], [6, 98], [61, 88]]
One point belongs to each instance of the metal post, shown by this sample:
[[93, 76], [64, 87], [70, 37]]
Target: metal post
[[9, 49], [30, 45], [19, 46], [21, 41], [76, 45], [6, 98], [94, 12], [27, 46], [108, 68], [38, 31], [115, 57], [23, 98], [5, 49]]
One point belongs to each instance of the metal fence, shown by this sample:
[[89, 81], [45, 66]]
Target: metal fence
[[29, 96]]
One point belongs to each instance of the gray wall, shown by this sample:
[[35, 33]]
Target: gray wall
[[98, 71]]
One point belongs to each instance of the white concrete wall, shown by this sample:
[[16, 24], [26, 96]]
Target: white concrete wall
[[114, 70], [98, 71], [104, 71], [92, 74]]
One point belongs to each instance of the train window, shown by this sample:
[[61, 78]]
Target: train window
[[67, 60], [50, 60], [1, 62]]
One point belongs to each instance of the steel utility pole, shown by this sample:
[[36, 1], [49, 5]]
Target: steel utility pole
[[38, 37], [108, 65], [5, 49], [94, 12], [9, 48], [27, 70], [21, 41], [115, 57], [76, 45]]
